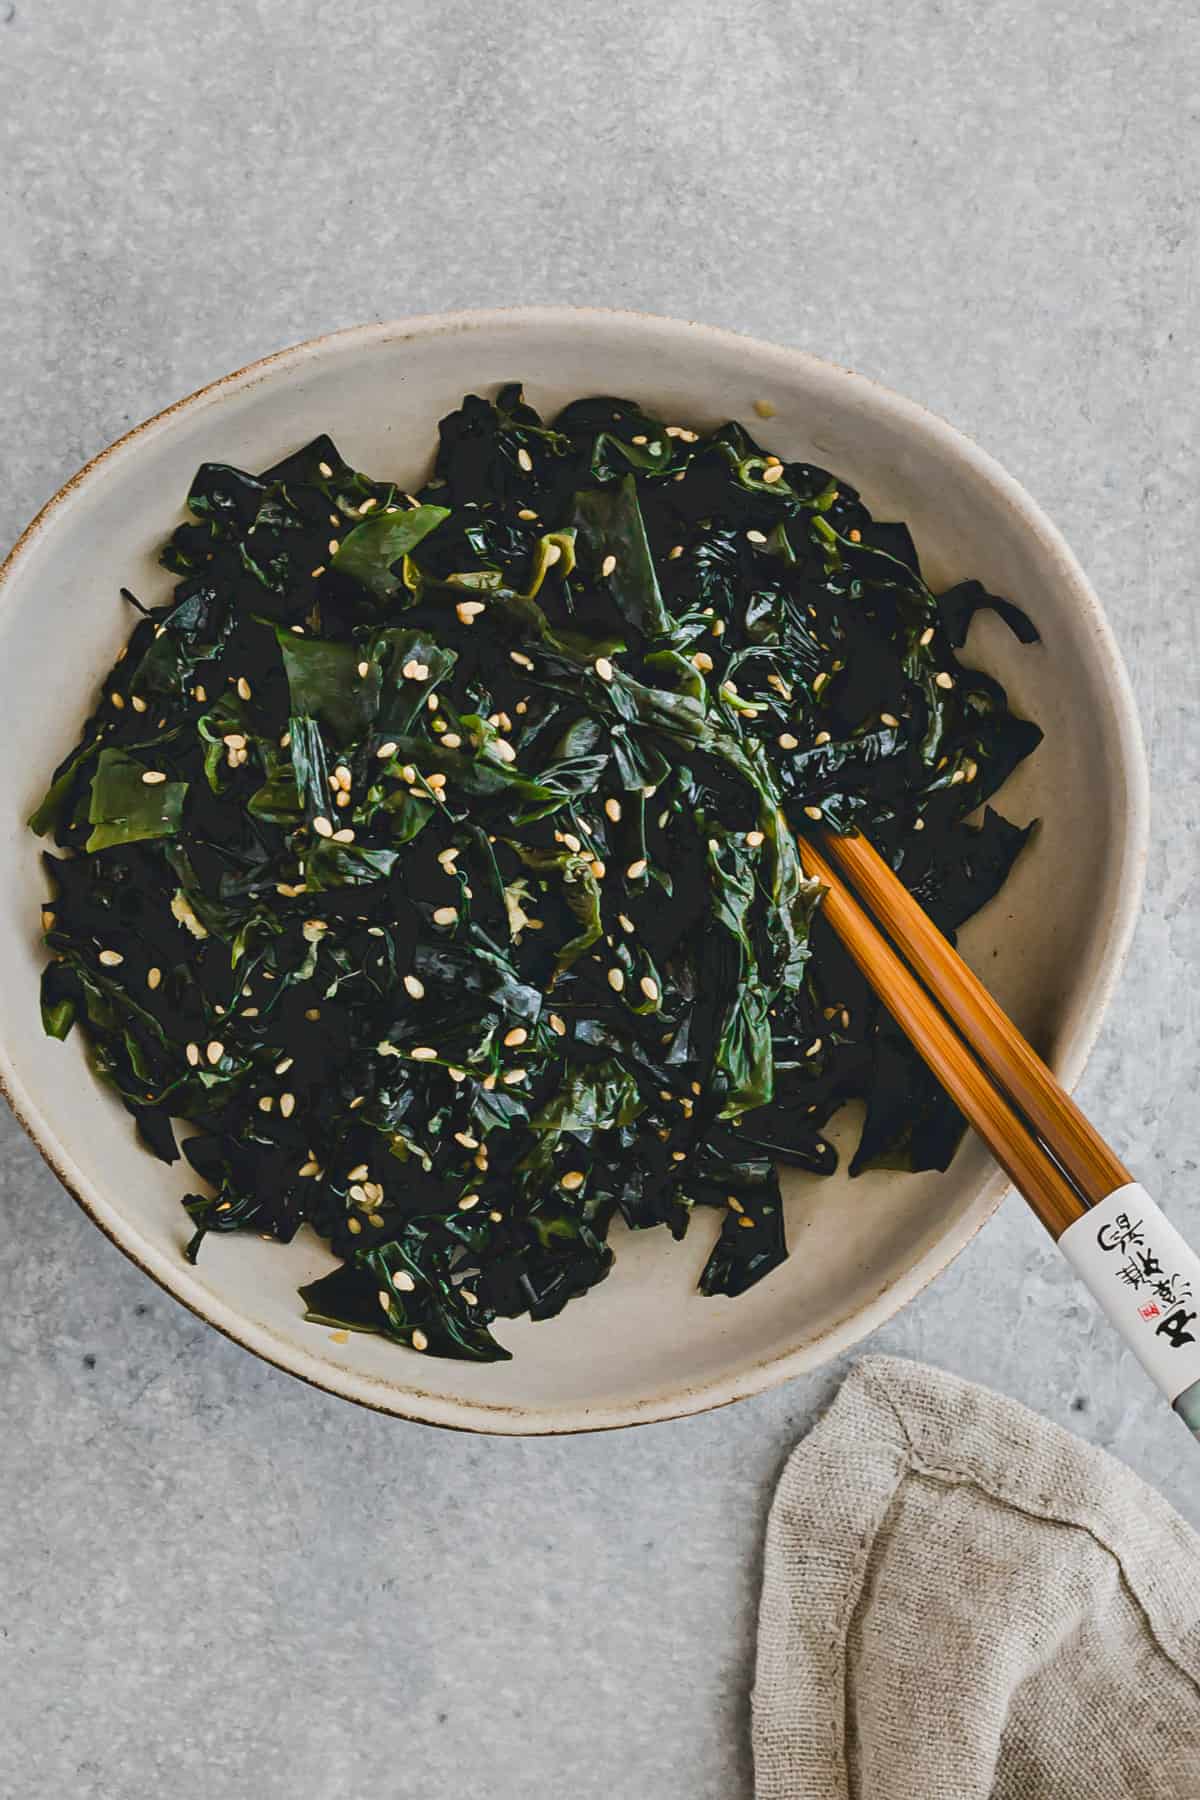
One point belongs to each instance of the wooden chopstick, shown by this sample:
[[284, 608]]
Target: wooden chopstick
[[1010, 1060], [1010, 1140]]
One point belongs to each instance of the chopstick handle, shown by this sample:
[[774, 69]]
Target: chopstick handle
[[1147, 1279]]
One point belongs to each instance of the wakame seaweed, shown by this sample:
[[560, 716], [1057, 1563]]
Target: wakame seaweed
[[434, 857]]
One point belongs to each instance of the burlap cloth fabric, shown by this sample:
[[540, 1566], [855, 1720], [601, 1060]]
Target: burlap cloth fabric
[[963, 1600]]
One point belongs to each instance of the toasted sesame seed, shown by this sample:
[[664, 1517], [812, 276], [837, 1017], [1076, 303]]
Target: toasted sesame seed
[[855, 536], [287, 1105], [285, 742], [822, 737], [310, 1168], [788, 742], [773, 473], [518, 1035], [333, 546], [754, 839], [616, 980], [467, 1202], [571, 841], [943, 680], [266, 1103], [118, 700], [603, 668], [193, 1054], [813, 812], [243, 688], [734, 1204], [813, 1047], [756, 537], [344, 836], [746, 1222], [926, 636], [137, 703], [612, 810], [522, 661], [970, 769], [312, 1013], [572, 1180], [215, 1051], [469, 610], [358, 1173], [354, 1225], [112, 959], [199, 692], [608, 565], [820, 679], [527, 512], [408, 773], [599, 869], [322, 826], [558, 1025], [418, 1340], [153, 977], [512, 1076], [525, 460], [636, 869], [47, 919], [649, 987], [387, 750], [423, 1053], [703, 661], [888, 719], [368, 504]]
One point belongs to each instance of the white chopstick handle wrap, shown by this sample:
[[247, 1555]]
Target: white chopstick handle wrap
[[1146, 1278]]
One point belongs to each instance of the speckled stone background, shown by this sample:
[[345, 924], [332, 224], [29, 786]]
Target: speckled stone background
[[215, 1582]]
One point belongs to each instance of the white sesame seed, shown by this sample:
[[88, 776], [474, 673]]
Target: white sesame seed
[[813, 1047], [754, 839], [822, 737], [468, 1202], [649, 987], [599, 869], [503, 749], [774, 473], [324, 469], [152, 777], [199, 693], [636, 869], [404, 1281], [322, 826], [266, 1103], [612, 809], [408, 773], [616, 980], [287, 1105], [137, 703], [570, 840], [285, 742], [522, 661], [756, 537], [813, 812], [572, 1180], [926, 636], [943, 680], [418, 1340], [153, 977], [526, 512], [888, 719], [445, 915], [358, 1173], [469, 610], [333, 546], [215, 1051], [243, 688], [368, 504], [788, 742], [452, 740], [193, 1054], [282, 1067], [603, 668], [387, 750], [344, 836], [447, 857], [112, 959], [553, 552], [364, 669], [608, 565]]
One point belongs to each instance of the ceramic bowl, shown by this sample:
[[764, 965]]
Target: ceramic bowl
[[644, 1345]]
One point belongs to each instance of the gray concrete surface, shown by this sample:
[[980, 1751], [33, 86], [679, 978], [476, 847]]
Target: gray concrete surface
[[216, 1583]]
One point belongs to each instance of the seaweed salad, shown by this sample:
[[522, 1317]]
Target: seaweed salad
[[434, 856]]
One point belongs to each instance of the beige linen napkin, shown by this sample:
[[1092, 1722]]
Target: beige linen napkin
[[962, 1600]]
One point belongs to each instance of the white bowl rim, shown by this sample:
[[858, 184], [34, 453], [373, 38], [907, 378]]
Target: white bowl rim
[[1076, 1039]]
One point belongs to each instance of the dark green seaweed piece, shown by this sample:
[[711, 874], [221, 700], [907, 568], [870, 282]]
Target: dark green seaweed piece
[[435, 857]]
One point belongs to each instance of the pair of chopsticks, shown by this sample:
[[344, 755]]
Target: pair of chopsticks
[[1142, 1273]]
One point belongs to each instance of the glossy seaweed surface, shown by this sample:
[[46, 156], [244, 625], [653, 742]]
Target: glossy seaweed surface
[[435, 856]]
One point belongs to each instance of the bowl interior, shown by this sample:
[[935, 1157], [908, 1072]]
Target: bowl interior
[[644, 1344]]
